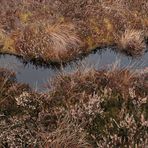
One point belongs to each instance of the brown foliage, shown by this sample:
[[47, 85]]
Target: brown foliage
[[85, 26], [106, 107], [132, 42]]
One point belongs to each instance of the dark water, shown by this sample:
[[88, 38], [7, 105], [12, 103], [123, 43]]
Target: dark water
[[37, 77]]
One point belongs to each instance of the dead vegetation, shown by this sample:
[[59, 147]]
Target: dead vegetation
[[85, 108], [55, 42], [132, 42], [84, 25], [110, 103], [68, 134]]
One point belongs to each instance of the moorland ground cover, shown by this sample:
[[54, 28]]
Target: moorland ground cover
[[59, 31], [84, 108]]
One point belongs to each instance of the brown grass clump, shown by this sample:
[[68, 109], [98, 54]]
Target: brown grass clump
[[96, 24], [69, 88], [48, 42], [132, 42], [68, 134]]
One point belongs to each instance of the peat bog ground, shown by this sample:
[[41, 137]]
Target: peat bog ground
[[73, 74]]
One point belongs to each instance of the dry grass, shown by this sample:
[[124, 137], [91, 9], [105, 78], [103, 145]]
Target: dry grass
[[132, 42], [69, 88], [112, 104], [54, 42], [105, 108], [95, 24], [68, 134]]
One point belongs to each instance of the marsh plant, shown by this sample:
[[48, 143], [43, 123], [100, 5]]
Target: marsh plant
[[112, 105], [54, 42], [56, 31], [68, 134], [85, 108], [132, 42]]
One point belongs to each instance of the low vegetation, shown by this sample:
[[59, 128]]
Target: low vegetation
[[85, 108], [59, 31], [132, 42]]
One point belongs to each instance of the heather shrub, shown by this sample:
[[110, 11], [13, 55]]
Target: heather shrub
[[19, 109], [111, 104], [85, 108]]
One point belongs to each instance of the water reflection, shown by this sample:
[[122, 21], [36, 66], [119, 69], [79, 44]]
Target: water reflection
[[36, 77]]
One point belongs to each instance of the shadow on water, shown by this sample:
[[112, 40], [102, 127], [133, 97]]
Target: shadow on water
[[37, 76]]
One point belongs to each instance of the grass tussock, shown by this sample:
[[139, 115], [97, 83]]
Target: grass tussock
[[48, 42], [132, 42], [95, 24]]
